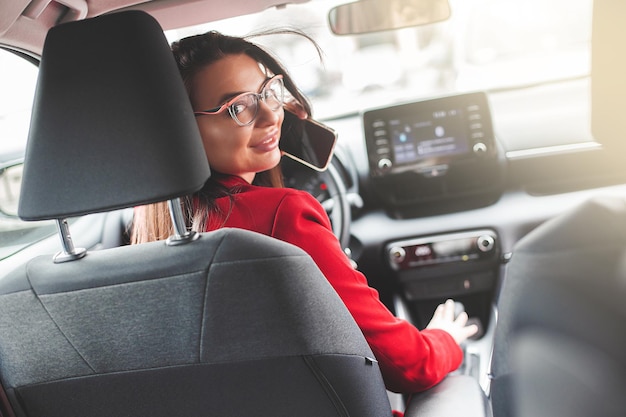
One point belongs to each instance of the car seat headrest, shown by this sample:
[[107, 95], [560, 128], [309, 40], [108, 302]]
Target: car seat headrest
[[112, 125]]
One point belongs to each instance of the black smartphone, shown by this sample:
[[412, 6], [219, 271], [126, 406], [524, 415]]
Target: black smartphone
[[307, 141]]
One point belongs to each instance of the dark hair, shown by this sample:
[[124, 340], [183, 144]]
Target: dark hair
[[192, 54], [196, 52]]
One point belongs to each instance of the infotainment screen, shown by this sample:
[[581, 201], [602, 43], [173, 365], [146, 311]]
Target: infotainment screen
[[436, 134], [427, 136], [437, 154]]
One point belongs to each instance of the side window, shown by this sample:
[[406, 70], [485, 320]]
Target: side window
[[18, 78], [17, 83]]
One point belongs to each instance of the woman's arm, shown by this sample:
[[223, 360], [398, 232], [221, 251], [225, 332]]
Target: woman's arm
[[410, 360]]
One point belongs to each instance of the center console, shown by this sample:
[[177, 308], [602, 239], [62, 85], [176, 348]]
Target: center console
[[463, 266]]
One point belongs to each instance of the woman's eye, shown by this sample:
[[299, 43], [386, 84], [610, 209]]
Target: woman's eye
[[238, 108]]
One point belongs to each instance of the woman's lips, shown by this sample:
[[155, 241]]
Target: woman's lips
[[269, 143]]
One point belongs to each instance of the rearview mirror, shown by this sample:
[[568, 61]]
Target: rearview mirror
[[366, 16], [10, 185]]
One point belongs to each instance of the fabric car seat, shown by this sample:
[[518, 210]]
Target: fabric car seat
[[560, 343], [228, 323], [567, 339], [561, 317]]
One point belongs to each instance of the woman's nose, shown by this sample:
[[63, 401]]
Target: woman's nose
[[266, 115]]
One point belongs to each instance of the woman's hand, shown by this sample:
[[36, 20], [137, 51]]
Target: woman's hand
[[444, 319]]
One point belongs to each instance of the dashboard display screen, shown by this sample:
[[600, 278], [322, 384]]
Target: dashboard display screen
[[428, 136], [438, 133]]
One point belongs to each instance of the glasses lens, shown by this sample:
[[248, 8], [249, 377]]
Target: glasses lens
[[244, 109], [274, 93]]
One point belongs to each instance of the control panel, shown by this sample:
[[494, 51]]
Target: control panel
[[459, 247]]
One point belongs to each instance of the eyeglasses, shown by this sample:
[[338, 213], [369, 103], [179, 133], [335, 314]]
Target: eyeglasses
[[244, 107]]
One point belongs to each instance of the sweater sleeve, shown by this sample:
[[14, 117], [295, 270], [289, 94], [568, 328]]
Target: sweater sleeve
[[410, 360]]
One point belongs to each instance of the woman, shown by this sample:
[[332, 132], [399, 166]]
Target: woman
[[238, 93]]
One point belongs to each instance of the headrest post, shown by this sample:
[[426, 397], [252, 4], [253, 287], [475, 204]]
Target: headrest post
[[181, 234], [69, 253]]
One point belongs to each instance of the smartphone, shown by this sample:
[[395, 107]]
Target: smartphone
[[307, 141]]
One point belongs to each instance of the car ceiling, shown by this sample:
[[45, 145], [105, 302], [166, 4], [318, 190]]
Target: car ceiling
[[24, 23]]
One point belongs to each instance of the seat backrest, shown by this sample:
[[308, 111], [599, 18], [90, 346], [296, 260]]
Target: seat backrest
[[560, 336], [567, 341], [223, 323], [189, 330]]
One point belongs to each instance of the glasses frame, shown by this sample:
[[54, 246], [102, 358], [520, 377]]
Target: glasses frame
[[258, 96]]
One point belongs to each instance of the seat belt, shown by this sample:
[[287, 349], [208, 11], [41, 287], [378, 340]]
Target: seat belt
[[5, 406]]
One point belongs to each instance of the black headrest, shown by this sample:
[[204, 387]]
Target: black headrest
[[112, 125]]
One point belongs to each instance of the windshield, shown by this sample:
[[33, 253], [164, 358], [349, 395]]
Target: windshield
[[485, 45]]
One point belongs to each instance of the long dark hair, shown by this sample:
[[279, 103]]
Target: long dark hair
[[192, 54]]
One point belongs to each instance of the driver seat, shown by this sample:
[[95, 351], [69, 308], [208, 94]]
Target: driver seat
[[212, 324]]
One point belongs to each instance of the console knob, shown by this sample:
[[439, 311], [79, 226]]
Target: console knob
[[397, 254], [485, 243], [479, 148], [384, 164]]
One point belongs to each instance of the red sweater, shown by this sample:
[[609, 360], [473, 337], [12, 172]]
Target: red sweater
[[410, 360]]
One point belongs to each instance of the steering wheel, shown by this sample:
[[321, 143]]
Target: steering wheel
[[328, 188], [337, 205]]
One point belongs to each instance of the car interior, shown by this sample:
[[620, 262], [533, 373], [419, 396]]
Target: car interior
[[428, 196]]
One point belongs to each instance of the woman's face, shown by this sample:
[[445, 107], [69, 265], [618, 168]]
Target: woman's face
[[230, 148]]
